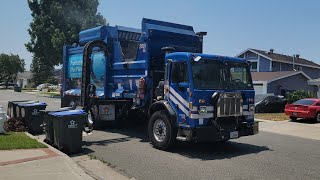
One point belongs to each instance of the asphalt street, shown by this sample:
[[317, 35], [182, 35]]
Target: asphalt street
[[263, 156]]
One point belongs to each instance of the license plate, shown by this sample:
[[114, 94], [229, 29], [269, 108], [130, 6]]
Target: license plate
[[294, 114], [234, 134]]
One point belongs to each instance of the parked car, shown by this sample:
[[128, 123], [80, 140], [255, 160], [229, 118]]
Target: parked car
[[44, 86], [304, 108], [3, 84], [271, 104]]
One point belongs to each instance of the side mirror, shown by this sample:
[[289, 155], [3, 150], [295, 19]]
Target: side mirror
[[183, 86]]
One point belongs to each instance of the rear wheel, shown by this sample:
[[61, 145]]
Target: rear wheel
[[317, 118], [293, 118], [162, 133]]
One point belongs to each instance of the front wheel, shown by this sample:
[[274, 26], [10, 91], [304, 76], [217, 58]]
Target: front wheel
[[162, 133], [317, 118]]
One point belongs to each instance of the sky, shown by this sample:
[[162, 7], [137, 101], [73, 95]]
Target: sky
[[288, 26]]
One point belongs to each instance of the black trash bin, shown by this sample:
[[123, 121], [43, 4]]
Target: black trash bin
[[13, 111], [30, 112], [17, 88], [67, 128], [48, 124]]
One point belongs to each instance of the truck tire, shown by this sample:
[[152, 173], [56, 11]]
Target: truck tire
[[162, 133]]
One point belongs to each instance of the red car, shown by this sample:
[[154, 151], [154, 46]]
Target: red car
[[304, 108]]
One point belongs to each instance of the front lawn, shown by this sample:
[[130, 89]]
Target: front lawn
[[272, 116], [51, 93], [18, 140]]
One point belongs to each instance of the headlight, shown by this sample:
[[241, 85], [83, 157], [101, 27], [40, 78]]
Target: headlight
[[251, 107], [202, 110]]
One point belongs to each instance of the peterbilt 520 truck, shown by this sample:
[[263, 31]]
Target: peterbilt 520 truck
[[160, 72]]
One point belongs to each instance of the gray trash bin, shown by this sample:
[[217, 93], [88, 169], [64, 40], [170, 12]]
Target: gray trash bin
[[30, 112], [48, 124], [67, 128]]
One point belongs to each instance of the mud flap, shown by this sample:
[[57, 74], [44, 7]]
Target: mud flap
[[256, 127]]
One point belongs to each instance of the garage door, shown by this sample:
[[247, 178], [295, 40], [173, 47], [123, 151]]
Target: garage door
[[259, 88]]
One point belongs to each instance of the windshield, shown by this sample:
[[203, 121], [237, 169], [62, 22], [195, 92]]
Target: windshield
[[304, 102], [214, 74]]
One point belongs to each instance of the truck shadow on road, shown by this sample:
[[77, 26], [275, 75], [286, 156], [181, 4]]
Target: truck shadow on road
[[203, 151], [217, 150]]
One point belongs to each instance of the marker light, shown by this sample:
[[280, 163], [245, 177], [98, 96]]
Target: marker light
[[202, 101]]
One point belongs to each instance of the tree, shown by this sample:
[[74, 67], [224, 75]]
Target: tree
[[56, 23], [10, 66]]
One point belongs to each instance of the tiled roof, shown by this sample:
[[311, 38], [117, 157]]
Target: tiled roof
[[286, 58], [269, 76]]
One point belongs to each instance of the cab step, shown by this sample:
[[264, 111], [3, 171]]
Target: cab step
[[181, 138]]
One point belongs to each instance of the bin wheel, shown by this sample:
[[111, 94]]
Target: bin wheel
[[162, 133]]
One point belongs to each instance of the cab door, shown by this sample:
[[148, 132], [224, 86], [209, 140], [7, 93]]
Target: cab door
[[179, 88]]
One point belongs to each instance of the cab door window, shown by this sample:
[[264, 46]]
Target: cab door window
[[179, 72]]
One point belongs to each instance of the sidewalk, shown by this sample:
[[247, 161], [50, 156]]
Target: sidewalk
[[34, 164], [50, 164]]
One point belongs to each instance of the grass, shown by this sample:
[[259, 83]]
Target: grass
[[272, 116], [51, 93], [18, 140]]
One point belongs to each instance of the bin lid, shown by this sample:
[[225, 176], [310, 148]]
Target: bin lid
[[32, 104], [68, 113]]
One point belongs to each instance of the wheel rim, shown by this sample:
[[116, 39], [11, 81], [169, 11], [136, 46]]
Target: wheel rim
[[318, 117], [159, 130]]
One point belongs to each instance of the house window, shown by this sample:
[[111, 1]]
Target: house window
[[254, 66], [299, 68]]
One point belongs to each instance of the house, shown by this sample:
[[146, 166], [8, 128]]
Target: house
[[279, 74], [57, 75], [24, 79]]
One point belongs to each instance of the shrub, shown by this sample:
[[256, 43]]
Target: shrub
[[15, 125], [299, 94]]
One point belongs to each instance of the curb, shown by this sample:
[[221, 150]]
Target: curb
[[264, 120]]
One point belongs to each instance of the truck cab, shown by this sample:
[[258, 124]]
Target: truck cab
[[212, 99]]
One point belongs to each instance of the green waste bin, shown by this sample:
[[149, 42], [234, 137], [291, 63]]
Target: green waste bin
[[48, 124], [67, 128], [13, 111], [30, 112]]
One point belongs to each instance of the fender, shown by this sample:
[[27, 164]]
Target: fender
[[163, 105]]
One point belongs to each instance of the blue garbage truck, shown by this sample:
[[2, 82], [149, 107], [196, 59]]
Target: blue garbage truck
[[159, 71]]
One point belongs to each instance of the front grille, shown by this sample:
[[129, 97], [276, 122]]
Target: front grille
[[229, 104]]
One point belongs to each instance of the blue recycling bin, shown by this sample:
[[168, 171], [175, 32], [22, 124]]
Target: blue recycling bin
[[48, 124], [67, 130], [30, 112], [13, 111]]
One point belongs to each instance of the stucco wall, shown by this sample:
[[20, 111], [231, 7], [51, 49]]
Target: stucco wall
[[264, 64], [275, 66], [312, 72], [295, 82]]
